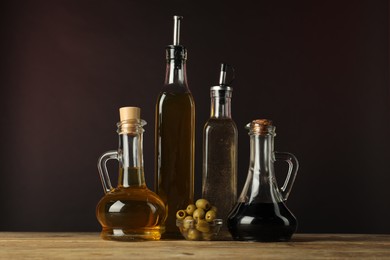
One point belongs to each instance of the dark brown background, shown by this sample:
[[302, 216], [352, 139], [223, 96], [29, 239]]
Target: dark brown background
[[319, 69]]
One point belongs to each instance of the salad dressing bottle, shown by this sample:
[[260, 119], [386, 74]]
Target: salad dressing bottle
[[175, 134]]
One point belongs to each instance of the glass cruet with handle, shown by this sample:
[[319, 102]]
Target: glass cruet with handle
[[261, 213]]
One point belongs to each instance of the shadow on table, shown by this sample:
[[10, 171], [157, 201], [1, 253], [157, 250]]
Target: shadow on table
[[301, 238]]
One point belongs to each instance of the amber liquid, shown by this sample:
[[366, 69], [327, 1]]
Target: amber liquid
[[131, 213], [265, 222], [175, 133]]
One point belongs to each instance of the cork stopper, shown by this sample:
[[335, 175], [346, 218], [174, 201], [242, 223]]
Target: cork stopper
[[261, 127], [130, 120], [129, 113]]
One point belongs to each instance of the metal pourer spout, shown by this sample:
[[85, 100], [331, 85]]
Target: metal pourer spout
[[223, 89], [176, 29], [222, 75]]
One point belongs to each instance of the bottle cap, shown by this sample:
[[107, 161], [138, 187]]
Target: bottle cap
[[129, 113]]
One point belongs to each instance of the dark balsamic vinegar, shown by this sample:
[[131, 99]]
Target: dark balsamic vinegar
[[261, 215], [263, 222]]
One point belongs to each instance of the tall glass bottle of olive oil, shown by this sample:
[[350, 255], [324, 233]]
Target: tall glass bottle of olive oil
[[175, 134]]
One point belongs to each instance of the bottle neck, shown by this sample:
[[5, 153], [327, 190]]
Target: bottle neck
[[261, 160], [131, 164], [261, 186], [176, 72], [220, 107]]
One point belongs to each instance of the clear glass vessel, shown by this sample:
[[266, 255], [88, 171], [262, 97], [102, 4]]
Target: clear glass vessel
[[175, 136], [261, 213], [220, 137], [129, 212]]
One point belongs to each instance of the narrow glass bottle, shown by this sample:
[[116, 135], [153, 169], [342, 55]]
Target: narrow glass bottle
[[175, 134], [220, 137], [131, 211]]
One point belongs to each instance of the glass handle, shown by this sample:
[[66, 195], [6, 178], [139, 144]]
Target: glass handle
[[102, 168], [292, 171]]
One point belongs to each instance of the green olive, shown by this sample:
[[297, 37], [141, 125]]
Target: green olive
[[203, 226], [193, 234], [198, 214], [181, 214], [203, 204], [187, 222], [190, 209], [210, 215]]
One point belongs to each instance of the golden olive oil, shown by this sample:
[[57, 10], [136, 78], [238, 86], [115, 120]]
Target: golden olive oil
[[175, 133], [133, 213], [129, 212]]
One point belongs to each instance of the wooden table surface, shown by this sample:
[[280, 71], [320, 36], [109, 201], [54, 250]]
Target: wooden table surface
[[17, 245]]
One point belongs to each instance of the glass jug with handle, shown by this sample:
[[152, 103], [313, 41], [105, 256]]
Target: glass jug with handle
[[260, 213], [129, 212]]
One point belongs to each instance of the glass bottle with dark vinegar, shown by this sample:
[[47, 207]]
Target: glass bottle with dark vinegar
[[175, 134], [260, 213], [129, 212]]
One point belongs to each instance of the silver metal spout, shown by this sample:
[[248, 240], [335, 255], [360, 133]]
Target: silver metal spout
[[176, 29], [222, 75]]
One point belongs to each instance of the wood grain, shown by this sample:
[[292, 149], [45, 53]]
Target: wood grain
[[15, 245]]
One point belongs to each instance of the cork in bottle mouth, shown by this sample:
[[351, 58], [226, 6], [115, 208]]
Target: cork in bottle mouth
[[261, 127], [129, 113], [130, 120]]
